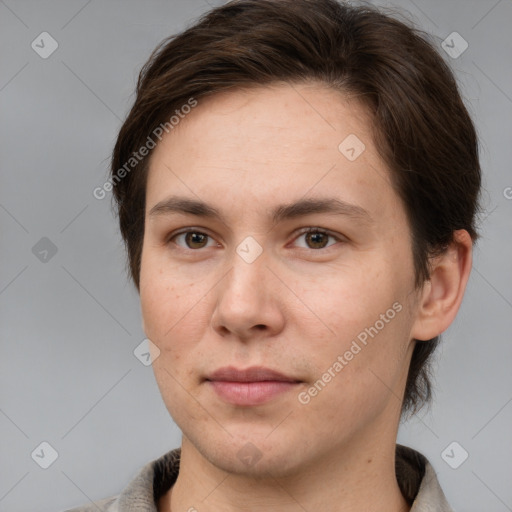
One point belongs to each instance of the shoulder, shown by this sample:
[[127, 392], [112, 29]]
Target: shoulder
[[151, 482], [418, 481]]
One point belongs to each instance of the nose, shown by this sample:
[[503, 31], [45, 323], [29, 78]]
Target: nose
[[249, 301]]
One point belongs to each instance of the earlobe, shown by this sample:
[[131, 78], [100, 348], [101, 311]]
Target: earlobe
[[442, 295]]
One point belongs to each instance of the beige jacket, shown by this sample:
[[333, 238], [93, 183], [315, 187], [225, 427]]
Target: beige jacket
[[416, 478]]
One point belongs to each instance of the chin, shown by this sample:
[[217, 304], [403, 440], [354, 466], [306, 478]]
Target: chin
[[256, 455]]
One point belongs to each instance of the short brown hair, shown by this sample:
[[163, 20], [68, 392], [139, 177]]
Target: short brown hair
[[421, 127]]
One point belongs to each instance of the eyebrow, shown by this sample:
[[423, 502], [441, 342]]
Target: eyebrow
[[300, 208]]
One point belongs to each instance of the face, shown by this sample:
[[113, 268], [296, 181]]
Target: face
[[275, 244]]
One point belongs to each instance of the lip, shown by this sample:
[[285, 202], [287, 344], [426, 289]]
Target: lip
[[251, 386]]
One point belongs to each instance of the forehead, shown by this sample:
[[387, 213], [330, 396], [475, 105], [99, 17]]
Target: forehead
[[260, 146]]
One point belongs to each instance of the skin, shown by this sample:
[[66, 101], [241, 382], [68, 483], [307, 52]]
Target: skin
[[294, 309]]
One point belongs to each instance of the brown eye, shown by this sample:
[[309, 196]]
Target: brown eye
[[196, 240], [191, 239], [317, 239]]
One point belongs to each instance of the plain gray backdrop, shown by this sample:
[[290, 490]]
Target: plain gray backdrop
[[70, 320]]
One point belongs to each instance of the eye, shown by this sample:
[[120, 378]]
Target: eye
[[192, 239], [316, 238]]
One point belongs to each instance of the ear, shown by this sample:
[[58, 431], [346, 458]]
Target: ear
[[442, 294]]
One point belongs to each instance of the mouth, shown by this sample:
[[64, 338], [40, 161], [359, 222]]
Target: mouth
[[251, 386]]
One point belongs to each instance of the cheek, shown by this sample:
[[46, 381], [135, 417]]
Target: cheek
[[174, 316], [347, 301], [165, 298], [365, 323], [159, 303], [355, 382]]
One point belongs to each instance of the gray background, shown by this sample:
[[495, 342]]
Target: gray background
[[69, 325]]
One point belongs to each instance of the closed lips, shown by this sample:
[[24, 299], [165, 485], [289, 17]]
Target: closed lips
[[250, 387], [252, 374]]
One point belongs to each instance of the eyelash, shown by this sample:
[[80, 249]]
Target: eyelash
[[304, 231]]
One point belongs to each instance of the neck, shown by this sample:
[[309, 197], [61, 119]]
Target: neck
[[359, 475]]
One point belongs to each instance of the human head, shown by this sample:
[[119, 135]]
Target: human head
[[420, 125]]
